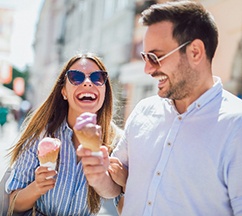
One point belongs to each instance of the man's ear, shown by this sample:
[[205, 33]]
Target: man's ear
[[197, 51]]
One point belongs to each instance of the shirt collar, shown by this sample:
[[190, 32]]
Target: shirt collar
[[207, 96], [66, 127]]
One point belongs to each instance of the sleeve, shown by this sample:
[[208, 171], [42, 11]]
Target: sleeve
[[232, 167], [23, 171], [115, 136], [121, 150]]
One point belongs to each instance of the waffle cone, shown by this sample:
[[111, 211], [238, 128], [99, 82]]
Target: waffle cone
[[49, 157], [89, 138]]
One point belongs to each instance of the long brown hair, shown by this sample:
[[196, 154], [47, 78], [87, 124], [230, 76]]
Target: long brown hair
[[50, 115]]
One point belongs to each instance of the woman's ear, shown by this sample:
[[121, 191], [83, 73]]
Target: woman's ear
[[197, 51], [63, 92]]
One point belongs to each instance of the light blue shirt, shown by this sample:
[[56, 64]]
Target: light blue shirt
[[69, 196], [186, 164]]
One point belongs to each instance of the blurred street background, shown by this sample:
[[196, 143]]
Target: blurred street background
[[38, 36]]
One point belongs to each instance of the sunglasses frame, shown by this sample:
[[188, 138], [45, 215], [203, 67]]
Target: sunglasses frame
[[89, 76], [158, 60]]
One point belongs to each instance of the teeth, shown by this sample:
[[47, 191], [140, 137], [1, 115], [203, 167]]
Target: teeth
[[87, 95], [163, 77]]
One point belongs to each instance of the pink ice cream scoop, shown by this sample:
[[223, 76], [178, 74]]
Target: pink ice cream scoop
[[48, 145], [85, 119]]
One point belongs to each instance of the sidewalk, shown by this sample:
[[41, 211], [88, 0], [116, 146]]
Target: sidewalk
[[8, 137]]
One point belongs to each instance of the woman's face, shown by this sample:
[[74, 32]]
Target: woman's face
[[85, 97]]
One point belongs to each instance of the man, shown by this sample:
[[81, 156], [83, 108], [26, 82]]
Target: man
[[183, 148]]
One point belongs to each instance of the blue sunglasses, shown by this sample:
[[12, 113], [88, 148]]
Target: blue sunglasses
[[76, 77]]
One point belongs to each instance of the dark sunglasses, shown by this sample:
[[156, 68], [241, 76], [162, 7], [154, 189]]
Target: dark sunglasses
[[154, 60], [76, 77]]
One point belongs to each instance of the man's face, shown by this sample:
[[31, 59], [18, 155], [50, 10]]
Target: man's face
[[176, 77]]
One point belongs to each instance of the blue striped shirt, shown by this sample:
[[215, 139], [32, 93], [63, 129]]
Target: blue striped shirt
[[69, 196], [187, 164]]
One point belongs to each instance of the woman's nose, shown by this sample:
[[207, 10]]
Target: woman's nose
[[87, 81]]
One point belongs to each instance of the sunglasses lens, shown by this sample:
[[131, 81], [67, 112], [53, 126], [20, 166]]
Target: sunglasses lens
[[99, 78], [152, 59], [75, 77]]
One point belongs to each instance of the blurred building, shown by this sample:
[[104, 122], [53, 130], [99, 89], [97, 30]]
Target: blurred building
[[228, 60], [8, 98], [110, 28], [6, 29]]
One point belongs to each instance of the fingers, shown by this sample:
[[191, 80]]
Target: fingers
[[44, 172], [104, 150], [82, 152], [94, 167], [94, 170], [115, 165], [44, 179], [90, 159], [117, 171], [114, 160]]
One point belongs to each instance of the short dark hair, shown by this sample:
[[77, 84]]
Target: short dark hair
[[190, 20]]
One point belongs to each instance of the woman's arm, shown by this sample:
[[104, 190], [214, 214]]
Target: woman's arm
[[27, 197]]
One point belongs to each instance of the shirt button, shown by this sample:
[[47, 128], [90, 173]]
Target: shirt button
[[179, 117], [169, 144], [149, 203], [158, 173]]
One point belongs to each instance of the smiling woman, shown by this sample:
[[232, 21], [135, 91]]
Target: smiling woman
[[82, 86]]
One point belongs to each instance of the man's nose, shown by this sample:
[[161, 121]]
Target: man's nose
[[149, 68]]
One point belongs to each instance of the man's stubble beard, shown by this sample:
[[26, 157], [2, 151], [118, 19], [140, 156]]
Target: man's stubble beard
[[185, 79]]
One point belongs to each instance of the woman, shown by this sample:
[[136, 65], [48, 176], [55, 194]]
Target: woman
[[82, 86]]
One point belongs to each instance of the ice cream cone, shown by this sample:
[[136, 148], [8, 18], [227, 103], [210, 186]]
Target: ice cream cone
[[48, 150], [89, 137], [88, 132]]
